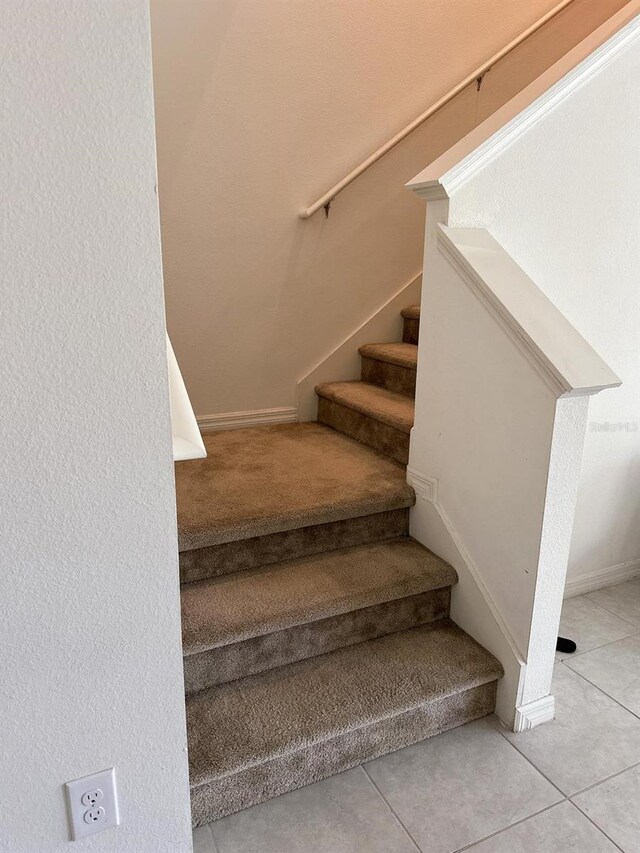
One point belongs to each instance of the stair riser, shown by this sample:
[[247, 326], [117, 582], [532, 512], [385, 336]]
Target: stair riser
[[391, 376], [381, 437], [410, 331], [227, 663], [253, 785], [246, 554]]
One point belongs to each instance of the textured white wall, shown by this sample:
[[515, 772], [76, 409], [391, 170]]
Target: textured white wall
[[563, 201], [90, 632], [261, 106]]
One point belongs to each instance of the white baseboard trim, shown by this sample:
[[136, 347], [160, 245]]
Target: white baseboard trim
[[240, 420], [534, 714], [598, 579], [424, 486]]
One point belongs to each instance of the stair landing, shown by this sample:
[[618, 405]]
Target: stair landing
[[269, 479]]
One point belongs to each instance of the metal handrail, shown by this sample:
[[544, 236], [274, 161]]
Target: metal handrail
[[325, 200]]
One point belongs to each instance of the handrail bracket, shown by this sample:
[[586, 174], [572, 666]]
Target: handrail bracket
[[480, 79]]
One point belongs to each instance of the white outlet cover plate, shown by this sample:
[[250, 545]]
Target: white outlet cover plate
[[106, 782]]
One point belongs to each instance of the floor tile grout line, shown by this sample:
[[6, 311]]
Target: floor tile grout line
[[563, 798], [593, 784], [604, 781], [636, 628], [604, 693], [529, 761], [588, 594], [599, 828], [391, 809], [577, 654], [601, 606], [510, 826], [582, 790], [214, 848], [211, 839]]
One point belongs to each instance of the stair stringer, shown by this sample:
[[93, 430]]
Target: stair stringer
[[472, 607]]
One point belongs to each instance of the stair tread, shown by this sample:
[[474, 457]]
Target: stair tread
[[400, 354], [249, 604], [388, 407], [284, 710], [412, 312], [270, 479]]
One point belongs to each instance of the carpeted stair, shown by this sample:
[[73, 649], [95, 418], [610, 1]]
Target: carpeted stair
[[315, 631], [378, 409], [411, 324]]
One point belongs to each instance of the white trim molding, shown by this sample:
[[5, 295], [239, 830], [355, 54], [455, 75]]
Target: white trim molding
[[472, 605], [600, 578], [185, 435], [242, 420], [529, 117], [558, 352], [342, 363], [424, 486], [431, 485], [485, 142], [534, 714]]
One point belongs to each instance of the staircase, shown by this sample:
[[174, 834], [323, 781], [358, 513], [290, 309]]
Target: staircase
[[315, 630]]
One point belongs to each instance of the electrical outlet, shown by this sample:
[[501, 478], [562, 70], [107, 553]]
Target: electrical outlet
[[92, 803], [92, 797], [95, 815]]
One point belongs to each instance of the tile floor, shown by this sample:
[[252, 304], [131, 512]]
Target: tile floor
[[571, 786]]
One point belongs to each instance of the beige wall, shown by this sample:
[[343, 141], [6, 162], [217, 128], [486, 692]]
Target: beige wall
[[261, 105]]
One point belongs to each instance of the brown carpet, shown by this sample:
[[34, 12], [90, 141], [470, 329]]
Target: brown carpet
[[268, 651], [386, 374], [268, 479], [404, 355], [317, 761], [228, 557], [304, 707], [284, 709], [314, 630], [305, 590], [411, 324], [394, 410], [412, 312], [367, 430]]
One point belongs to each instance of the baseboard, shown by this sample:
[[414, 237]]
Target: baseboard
[[424, 486], [598, 579], [472, 606], [240, 420], [534, 714]]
